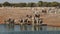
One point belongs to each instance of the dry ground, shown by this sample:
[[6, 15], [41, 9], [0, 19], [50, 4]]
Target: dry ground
[[17, 13]]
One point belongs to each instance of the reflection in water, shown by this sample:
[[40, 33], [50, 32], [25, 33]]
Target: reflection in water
[[37, 28], [24, 28], [30, 28], [41, 28], [9, 27]]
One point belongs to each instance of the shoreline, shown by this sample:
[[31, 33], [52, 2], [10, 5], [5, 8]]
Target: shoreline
[[39, 25]]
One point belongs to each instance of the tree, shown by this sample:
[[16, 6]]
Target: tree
[[6, 4], [21, 5], [44, 4], [31, 4], [0, 5], [54, 4], [40, 3], [49, 4]]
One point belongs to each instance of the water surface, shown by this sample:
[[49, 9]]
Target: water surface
[[28, 29]]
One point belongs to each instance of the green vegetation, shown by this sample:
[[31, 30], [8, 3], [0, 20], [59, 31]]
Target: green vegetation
[[32, 4]]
